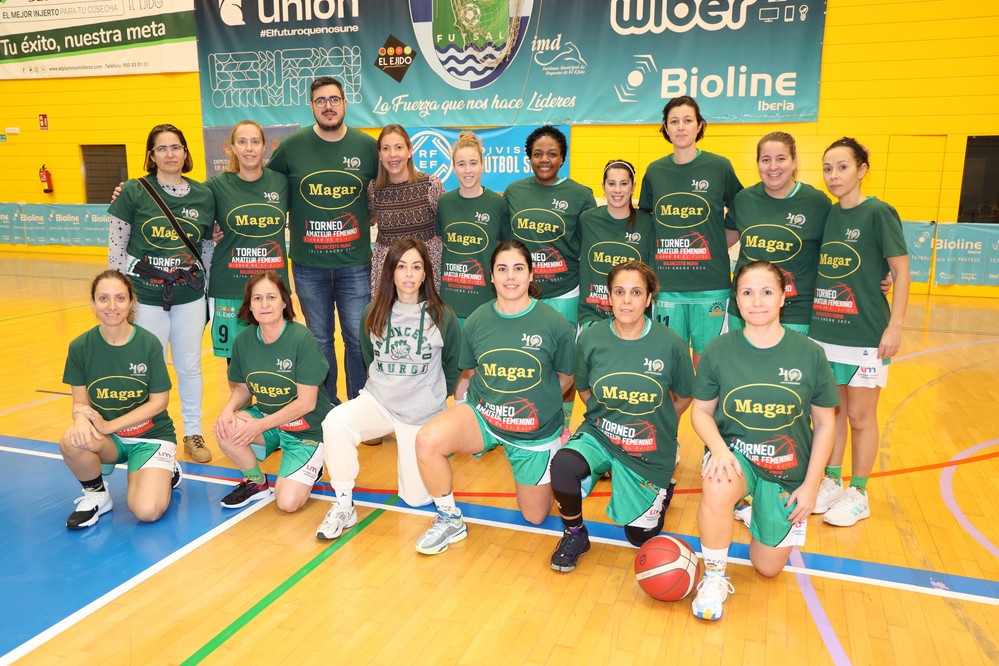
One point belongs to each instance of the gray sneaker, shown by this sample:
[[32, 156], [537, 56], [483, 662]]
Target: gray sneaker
[[336, 521], [446, 529]]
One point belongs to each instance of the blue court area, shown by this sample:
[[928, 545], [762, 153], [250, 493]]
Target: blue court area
[[50, 572]]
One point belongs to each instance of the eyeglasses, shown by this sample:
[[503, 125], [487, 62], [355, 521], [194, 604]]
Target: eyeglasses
[[323, 101], [163, 150]]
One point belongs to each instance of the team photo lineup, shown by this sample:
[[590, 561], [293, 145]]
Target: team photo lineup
[[476, 320]]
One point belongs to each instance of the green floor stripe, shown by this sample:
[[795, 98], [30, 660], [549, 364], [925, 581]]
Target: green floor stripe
[[276, 593]]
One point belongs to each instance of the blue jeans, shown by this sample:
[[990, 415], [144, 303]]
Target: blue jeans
[[346, 291]]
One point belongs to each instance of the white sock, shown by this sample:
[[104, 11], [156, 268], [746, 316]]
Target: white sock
[[344, 498], [715, 560], [446, 504]]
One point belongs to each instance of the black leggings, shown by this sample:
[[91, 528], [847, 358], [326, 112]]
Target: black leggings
[[568, 470]]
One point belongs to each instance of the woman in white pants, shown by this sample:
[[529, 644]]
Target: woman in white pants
[[410, 341]]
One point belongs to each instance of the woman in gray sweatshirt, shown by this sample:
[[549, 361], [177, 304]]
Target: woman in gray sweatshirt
[[410, 341]]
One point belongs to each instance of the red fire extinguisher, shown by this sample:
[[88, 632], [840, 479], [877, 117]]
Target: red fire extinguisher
[[45, 176]]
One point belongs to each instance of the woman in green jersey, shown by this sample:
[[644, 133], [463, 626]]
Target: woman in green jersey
[[853, 322], [251, 211], [764, 406], [610, 235], [687, 193], [120, 392], [781, 220], [635, 377], [169, 279], [277, 363], [516, 360], [471, 220]]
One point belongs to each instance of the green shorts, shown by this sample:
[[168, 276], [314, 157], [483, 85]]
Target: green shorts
[[567, 306], [301, 459], [734, 322], [225, 325], [696, 316], [634, 501], [770, 525], [144, 453], [530, 460]]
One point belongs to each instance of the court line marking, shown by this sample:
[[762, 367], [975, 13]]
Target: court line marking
[[493, 517], [818, 613], [108, 597], [950, 500], [219, 639], [31, 404]]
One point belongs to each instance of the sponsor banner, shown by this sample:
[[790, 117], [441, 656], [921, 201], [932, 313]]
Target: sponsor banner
[[45, 39], [919, 238], [10, 228], [64, 224], [511, 62], [967, 254], [504, 153]]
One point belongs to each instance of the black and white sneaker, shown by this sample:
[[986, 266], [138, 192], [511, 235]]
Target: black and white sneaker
[[246, 491], [89, 509], [178, 475]]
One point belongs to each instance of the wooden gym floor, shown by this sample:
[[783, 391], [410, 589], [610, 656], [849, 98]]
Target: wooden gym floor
[[917, 583]]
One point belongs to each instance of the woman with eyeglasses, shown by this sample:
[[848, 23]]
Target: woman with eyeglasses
[[169, 278], [251, 210], [402, 201]]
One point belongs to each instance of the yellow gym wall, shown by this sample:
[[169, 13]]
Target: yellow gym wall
[[910, 79]]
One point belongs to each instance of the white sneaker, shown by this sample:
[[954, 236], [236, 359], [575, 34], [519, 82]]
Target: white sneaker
[[829, 491], [848, 509], [744, 514], [445, 530], [712, 592], [337, 520], [89, 508]]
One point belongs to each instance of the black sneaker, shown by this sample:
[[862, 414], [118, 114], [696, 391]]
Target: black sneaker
[[669, 495], [178, 475], [574, 544], [89, 508], [245, 492]]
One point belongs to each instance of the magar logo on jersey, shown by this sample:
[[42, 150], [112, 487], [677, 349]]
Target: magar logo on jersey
[[284, 365], [465, 238], [537, 225], [608, 254], [272, 389], [509, 370], [770, 242], [470, 43], [331, 190], [628, 393], [159, 233], [256, 220], [837, 260], [117, 394], [764, 407], [681, 210]]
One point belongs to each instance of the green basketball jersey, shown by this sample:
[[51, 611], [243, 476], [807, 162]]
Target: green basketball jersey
[[470, 229], [688, 202], [606, 242], [152, 236], [273, 372], [119, 379], [849, 308], [630, 410], [786, 232], [328, 183], [252, 216], [765, 398], [546, 219], [515, 358]]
